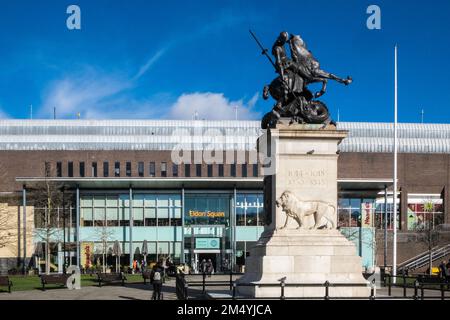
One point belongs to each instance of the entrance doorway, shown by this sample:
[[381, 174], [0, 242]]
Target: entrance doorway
[[208, 256], [199, 255]]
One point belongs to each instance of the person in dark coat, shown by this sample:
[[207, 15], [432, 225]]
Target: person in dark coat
[[443, 270], [203, 266], [156, 280], [209, 267]]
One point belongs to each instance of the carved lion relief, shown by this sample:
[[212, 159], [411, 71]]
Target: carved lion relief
[[323, 212]]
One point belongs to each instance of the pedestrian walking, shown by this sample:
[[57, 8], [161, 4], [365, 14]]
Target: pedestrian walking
[[443, 270], [156, 280], [203, 266], [209, 268]]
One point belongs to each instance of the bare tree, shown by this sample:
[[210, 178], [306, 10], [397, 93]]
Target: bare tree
[[6, 225], [426, 231], [47, 197], [104, 236]]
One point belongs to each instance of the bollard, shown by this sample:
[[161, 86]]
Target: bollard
[[282, 289], [327, 295], [186, 297], [390, 285], [204, 282], [421, 291], [404, 286], [234, 291], [416, 287], [372, 291], [231, 279], [442, 292]]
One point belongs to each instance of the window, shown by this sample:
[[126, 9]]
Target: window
[[152, 170], [94, 169], [261, 212], [198, 170], [82, 169], [187, 170], [233, 170], [249, 210], [47, 169], [244, 170], [70, 169], [221, 170], [424, 213], [240, 210], [163, 169], [210, 170], [59, 169], [141, 169], [106, 169], [128, 169], [255, 170], [138, 211], [175, 170], [117, 169]]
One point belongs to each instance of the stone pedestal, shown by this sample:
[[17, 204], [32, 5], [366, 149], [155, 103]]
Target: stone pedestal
[[303, 165]]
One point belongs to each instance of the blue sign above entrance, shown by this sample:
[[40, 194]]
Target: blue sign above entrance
[[207, 243]]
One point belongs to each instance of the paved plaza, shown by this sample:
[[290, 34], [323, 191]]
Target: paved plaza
[[139, 291], [132, 291]]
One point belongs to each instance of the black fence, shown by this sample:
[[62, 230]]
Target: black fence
[[182, 287], [419, 284]]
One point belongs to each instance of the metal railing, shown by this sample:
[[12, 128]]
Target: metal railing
[[424, 258], [215, 283], [420, 283], [183, 285], [326, 285]]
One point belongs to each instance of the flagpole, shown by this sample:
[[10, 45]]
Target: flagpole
[[394, 240]]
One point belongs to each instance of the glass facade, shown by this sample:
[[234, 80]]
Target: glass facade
[[209, 225], [249, 209], [424, 212], [114, 210], [201, 209]]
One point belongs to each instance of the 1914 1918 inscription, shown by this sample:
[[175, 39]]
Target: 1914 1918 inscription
[[307, 177]]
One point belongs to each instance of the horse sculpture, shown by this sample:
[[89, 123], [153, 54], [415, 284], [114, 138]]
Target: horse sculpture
[[293, 99]]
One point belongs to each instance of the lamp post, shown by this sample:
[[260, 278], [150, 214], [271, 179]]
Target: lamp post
[[64, 230]]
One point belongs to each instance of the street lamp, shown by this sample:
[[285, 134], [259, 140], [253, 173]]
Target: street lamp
[[64, 230]]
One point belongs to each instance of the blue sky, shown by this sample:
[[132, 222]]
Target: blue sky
[[170, 59]]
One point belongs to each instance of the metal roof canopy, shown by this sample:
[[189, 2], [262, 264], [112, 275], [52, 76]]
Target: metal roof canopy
[[369, 188], [144, 135]]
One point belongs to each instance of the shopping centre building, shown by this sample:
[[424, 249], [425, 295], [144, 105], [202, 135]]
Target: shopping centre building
[[196, 189]]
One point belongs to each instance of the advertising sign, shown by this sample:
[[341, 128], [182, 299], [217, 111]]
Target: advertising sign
[[207, 243], [87, 250], [367, 212], [206, 209]]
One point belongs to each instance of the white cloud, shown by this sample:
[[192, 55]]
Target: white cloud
[[224, 21], [89, 92], [3, 115], [153, 59], [97, 95], [212, 106]]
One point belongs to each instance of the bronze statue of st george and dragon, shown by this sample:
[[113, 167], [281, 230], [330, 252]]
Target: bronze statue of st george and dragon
[[290, 89]]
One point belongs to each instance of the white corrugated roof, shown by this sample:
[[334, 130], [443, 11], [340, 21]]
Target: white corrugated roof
[[200, 134]]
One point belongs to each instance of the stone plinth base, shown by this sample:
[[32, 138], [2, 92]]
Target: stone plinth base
[[303, 257]]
